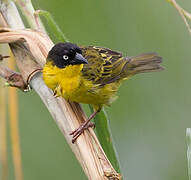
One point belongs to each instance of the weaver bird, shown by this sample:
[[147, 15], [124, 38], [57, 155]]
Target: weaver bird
[[92, 75]]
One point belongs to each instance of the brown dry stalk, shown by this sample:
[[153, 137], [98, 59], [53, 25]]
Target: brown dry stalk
[[3, 123], [3, 132], [30, 49], [13, 78], [14, 129]]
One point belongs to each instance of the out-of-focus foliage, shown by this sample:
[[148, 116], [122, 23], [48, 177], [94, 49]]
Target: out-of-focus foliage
[[150, 117]]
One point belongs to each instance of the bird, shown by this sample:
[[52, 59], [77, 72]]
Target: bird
[[92, 74]]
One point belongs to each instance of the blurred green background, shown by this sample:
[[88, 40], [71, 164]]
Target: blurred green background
[[150, 117]]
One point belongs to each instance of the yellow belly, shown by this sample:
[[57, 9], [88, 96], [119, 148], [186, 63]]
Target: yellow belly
[[70, 84]]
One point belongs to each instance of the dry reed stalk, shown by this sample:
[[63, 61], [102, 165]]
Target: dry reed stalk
[[14, 127], [30, 49], [3, 133]]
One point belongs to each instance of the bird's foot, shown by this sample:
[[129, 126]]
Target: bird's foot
[[76, 133]]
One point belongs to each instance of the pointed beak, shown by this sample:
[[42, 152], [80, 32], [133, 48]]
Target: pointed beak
[[80, 59]]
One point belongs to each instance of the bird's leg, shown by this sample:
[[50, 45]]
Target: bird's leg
[[76, 133]]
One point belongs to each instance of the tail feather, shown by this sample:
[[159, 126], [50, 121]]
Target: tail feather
[[148, 62]]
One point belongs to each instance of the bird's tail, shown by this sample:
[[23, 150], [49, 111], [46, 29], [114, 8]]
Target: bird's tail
[[148, 62]]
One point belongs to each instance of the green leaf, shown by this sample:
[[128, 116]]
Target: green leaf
[[53, 29], [104, 135], [101, 120]]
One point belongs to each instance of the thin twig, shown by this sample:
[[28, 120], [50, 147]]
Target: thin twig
[[184, 14], [3, 57], [13, 78]]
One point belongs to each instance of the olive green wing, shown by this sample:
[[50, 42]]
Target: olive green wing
[[104, 65]]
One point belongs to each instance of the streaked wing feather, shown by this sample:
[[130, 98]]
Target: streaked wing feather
[[104, 65]]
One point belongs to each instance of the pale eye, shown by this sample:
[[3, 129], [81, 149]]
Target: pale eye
[[65, 57]]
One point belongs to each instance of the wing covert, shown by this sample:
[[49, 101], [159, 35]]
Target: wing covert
[[104, 65]]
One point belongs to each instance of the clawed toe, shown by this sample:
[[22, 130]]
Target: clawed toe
[[76, 133]]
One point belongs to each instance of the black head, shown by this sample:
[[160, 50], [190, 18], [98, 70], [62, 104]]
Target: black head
[[63, 54]]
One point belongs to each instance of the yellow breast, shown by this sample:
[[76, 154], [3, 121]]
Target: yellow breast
[[62, 80], [69, 83], [69, 79]]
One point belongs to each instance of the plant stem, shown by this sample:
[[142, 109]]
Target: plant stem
[[28, 12], [3, 128], [14, 129], [68, 116], [54, 28], [184, 14], [188, 135], [103, 132], [3, 136], [9, 8], [102, 121]]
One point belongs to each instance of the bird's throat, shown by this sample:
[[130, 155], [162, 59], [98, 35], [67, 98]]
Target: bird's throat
[[69, 80], [71, 71]]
